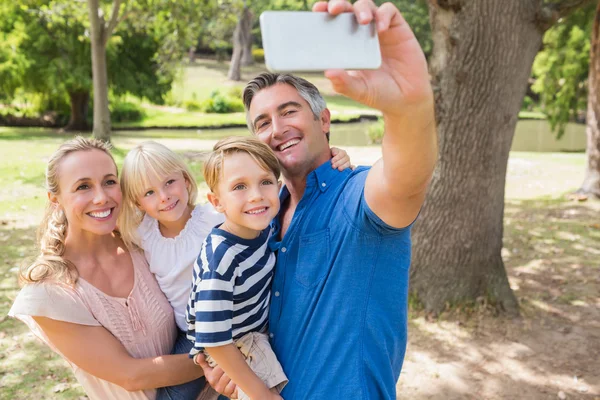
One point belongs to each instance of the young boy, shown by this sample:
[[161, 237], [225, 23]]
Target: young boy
[[229, 303]]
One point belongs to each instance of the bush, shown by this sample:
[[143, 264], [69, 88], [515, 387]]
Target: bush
[[235, 92], [126, 111], [192, 105], [258, 55], [375, 132], [219, 103]]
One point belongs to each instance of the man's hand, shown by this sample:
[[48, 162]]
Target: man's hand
[[401, 84], [216, 378]]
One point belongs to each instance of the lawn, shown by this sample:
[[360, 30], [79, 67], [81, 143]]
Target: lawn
[[551, 248], [198, 80]]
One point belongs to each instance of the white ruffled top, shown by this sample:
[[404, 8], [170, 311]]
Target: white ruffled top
[[171, 260]]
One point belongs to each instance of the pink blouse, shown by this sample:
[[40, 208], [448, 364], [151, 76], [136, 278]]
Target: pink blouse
[[143, 321]]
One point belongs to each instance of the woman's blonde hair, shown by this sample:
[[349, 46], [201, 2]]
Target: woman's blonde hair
[[260, 152], [149, 159], [50, 264]]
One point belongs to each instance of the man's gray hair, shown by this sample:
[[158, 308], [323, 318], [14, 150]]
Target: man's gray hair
[[306, 90]]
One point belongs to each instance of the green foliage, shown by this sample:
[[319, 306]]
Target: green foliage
[[125, 111], [375, 132], [258, 55], [192, 105], [45, 48], [416, 14], [220, 103], [561, 68]]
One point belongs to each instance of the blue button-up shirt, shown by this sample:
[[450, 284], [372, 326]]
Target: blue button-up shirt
[[338, 315]]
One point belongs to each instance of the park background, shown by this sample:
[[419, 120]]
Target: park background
[[505, 281]]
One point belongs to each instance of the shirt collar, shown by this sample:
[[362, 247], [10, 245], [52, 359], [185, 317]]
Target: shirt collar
[[323, 176]]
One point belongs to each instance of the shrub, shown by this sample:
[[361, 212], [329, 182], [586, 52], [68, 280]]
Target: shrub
[[235, 92], [192, 105], [258, 55], [375, 132], [126, 111], [222, 104]]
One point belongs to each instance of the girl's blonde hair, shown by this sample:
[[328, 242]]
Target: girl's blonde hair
[[143, 161], [50, 264], [260, 153]]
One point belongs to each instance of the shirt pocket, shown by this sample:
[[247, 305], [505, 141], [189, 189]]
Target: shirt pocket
[[313, 258]]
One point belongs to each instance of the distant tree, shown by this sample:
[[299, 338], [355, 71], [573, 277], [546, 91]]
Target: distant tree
[[561, 68], [591, 181], [242, 43], [47, 51], [174, 22], [566, 77]]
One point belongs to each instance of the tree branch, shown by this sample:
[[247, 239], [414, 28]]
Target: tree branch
[[114, 20], [553, 11]]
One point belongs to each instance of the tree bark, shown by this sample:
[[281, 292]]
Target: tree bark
[[481, 61], [79, 109], [240, 39], [591, 180], [247, 58], [99, 34]]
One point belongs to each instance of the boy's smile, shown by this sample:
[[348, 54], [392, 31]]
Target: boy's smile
[[247, 194]]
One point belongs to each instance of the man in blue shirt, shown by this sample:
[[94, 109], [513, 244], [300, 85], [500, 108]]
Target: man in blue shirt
[[338, 317]]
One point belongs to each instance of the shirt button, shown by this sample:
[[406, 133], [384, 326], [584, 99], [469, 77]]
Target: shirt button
[[271, 335], [276, 294], [283, 249], [323, 184]]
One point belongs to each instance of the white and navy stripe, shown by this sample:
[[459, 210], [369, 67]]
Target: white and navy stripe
[[231, 289]]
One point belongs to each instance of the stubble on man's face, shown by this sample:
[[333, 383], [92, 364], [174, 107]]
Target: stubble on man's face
[[283, 120]]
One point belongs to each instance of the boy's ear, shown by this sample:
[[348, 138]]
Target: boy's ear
[[279, 184], [214, 200]]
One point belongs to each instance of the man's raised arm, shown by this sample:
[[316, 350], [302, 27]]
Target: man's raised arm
[[400, 88]]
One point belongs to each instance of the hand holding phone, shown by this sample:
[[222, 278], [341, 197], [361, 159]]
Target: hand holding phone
[[317, 41], [401, 87]]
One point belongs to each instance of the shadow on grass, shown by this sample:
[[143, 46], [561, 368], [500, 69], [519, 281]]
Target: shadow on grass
[[469, 353]]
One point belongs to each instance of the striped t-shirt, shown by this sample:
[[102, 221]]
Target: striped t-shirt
[[231, 289]]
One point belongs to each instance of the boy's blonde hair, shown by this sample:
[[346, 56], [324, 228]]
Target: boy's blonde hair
[[260, 152], [50, 264], [149, 159]]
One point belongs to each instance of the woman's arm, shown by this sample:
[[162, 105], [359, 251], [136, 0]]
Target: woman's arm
[[231, 360], [95, 350]]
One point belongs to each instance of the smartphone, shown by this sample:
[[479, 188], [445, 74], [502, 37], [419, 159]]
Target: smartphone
[[315, 41]]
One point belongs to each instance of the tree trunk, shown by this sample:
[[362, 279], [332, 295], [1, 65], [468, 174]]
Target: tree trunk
[[241, 39], [247, 58], [591, 181], [79, 109], [482, 57], [99, 74]]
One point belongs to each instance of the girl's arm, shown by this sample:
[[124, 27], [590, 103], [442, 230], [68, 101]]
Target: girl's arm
[[340, 159], [231, 360], [95, 350]]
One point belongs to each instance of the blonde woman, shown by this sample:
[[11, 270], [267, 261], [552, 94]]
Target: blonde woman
[[89, 297]]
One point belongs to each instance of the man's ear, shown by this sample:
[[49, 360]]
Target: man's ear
[[214, 200], [325, 120]]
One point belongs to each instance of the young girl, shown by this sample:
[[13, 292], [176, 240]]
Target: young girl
[[160, 215]]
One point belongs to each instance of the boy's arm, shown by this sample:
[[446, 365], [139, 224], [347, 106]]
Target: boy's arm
[[231, 360], [340, 159]]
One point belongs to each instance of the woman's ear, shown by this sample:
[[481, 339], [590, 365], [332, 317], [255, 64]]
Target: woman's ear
[[213, 198], [53, 199]]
